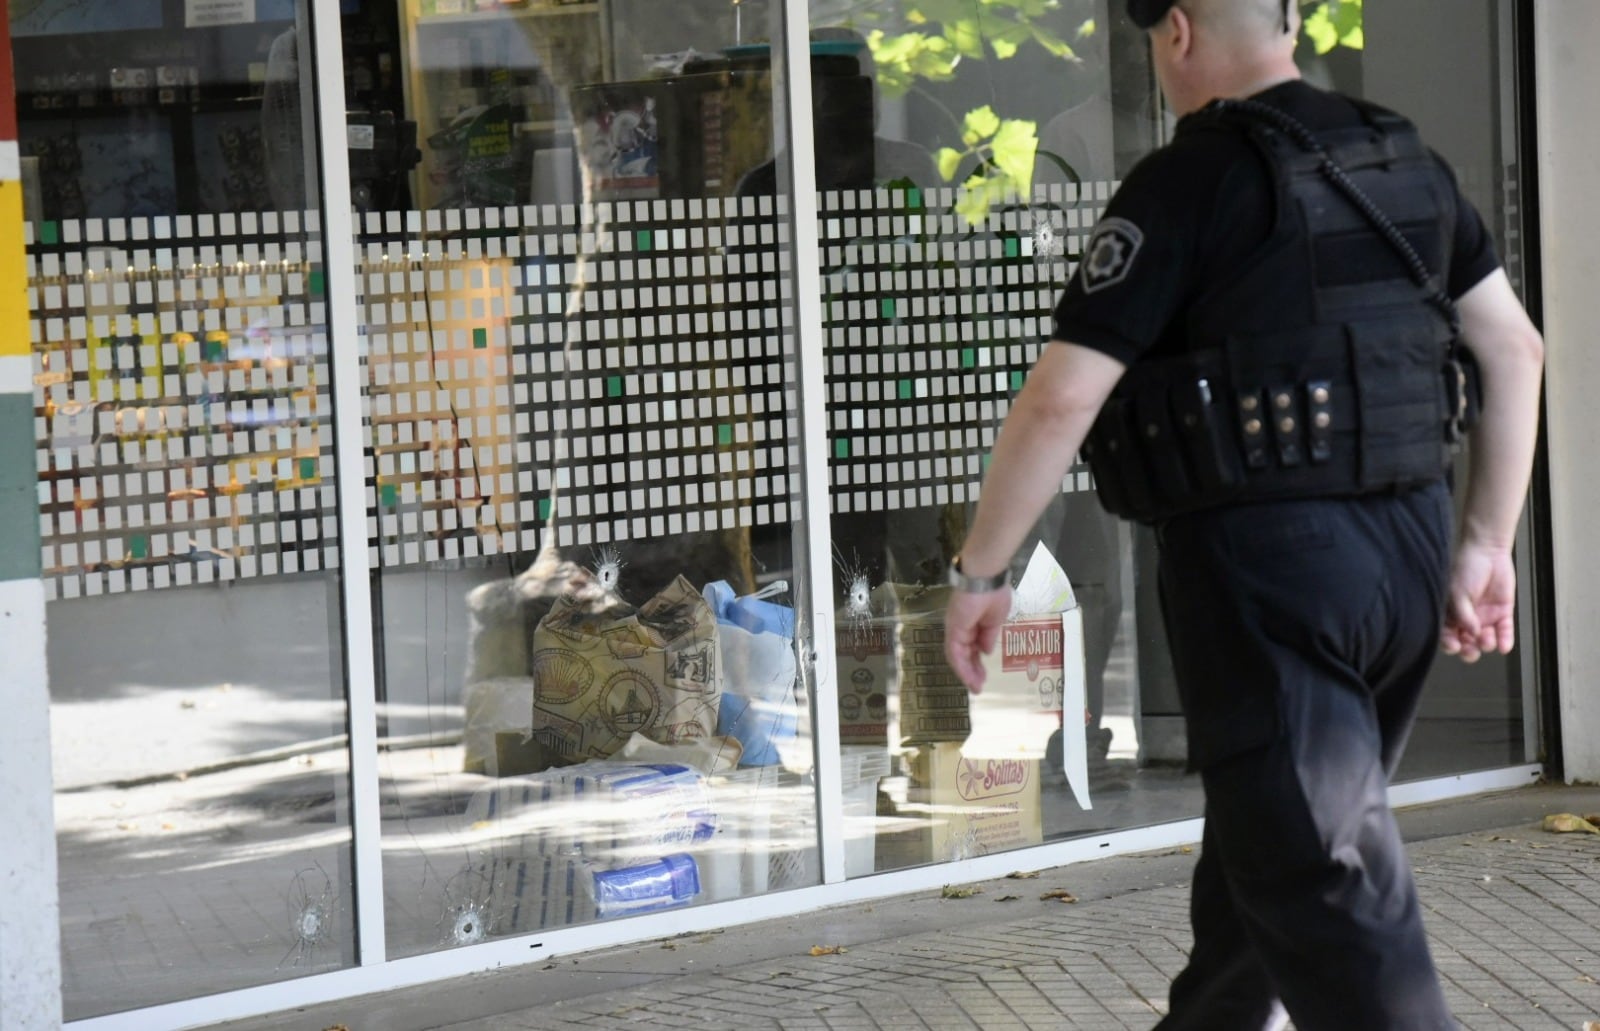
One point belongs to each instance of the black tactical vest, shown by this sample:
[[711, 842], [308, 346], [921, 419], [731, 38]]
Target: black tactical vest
[[1319, 369]]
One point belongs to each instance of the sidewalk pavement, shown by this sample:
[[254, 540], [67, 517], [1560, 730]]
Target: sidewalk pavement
[[1513, 913]]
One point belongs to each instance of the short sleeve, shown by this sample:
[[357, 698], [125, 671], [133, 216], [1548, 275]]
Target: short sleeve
[[1131, 274], [1472, 256]]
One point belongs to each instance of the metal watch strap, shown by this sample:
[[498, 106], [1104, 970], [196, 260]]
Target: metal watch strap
[[976, 584]]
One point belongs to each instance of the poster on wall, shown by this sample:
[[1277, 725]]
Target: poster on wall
[[205, 13]]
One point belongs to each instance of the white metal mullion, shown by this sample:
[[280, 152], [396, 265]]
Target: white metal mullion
[[816, 490], [349, 448]]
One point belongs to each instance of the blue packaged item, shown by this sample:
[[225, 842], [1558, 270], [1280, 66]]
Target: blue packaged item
[[669, 881], [758, 725], [755, 638], [753, 612]]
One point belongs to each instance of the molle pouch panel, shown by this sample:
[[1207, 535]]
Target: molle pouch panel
[[1402, 413], [1205, 432], [1113, 456], [1170, 485]]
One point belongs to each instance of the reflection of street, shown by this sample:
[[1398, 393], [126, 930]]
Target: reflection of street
[[205, 881]]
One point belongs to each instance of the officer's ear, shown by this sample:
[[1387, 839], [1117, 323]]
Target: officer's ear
[[1175, 32]]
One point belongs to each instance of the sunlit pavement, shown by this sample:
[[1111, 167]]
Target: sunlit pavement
[[1512, 912]]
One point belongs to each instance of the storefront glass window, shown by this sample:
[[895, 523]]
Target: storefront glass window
[[182, 379], [964, 152], [583, 474], [1484, 715], [584, 501]]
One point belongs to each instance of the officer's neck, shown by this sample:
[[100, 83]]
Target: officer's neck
[[1261, 83]]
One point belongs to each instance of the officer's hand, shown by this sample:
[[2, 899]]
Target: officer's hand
[[1478, 613], [971, 628]]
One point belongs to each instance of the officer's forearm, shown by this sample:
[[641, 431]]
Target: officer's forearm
[[1510, 353], [1500, 457], [1032, 455], [1048, 421]]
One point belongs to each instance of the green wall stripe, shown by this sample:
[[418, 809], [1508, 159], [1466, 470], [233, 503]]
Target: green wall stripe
[[19, 498]]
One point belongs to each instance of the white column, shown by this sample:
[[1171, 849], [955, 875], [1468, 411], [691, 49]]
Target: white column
[[1565, 35], [30, 913]]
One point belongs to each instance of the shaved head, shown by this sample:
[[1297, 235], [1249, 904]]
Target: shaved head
[[1245, 21]]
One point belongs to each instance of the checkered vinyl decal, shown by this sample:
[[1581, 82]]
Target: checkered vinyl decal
[[596, 373]]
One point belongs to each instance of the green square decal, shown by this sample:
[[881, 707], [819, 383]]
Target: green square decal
[[1013, 247], [969, 357], [480, 337], [1016, 381], [986, 460], [724, 434], [613, 386], [308, 468], [914, 199], [544, 508], [49, 232], [641, 240], [214, 350], [139, 546], [388, 495], [318, 282], [841, 448], [886, 306], [905, 390]]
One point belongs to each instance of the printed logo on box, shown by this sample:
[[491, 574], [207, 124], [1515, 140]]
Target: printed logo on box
[[1029, 647], [978, 779], [863, 642]]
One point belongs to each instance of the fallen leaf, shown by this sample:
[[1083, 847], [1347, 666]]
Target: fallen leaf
[[127, 826], [169, 826], [1586, 979], [1022, 875], [1008, 898], [1568, 823], [336, 1027], [1187, 849], [669, 946], [951, 891], [1059, 894], [828, 950]]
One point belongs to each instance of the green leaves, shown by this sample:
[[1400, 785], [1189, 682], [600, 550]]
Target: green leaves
[[979, 124], [943, 33], [903, 59], [1335, 23], [949, 162], [1013, 147]]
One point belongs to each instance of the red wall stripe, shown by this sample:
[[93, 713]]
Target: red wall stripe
[[8, 84]]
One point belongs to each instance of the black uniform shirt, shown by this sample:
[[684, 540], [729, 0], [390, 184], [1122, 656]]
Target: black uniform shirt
[[1191, 212]]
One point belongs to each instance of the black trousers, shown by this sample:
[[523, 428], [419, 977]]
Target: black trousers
[[1301, 633]]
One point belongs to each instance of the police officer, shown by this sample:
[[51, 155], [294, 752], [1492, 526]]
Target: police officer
[[1264, 354]]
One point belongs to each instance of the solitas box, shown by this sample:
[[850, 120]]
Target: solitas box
[[959, 806]]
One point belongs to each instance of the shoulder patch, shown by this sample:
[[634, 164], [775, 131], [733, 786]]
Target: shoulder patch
[[1110, 255]]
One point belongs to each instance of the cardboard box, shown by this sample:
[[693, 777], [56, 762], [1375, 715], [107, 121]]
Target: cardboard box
[[959, 806], [894, 683], [895, 686]]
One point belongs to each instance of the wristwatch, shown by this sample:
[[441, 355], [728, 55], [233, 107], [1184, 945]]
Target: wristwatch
[[976, 584]]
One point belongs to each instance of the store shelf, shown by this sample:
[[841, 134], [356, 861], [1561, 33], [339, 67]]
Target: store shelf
[[502, 14]]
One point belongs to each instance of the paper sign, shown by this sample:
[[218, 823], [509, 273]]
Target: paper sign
[[1044, 588], [199, 14]]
